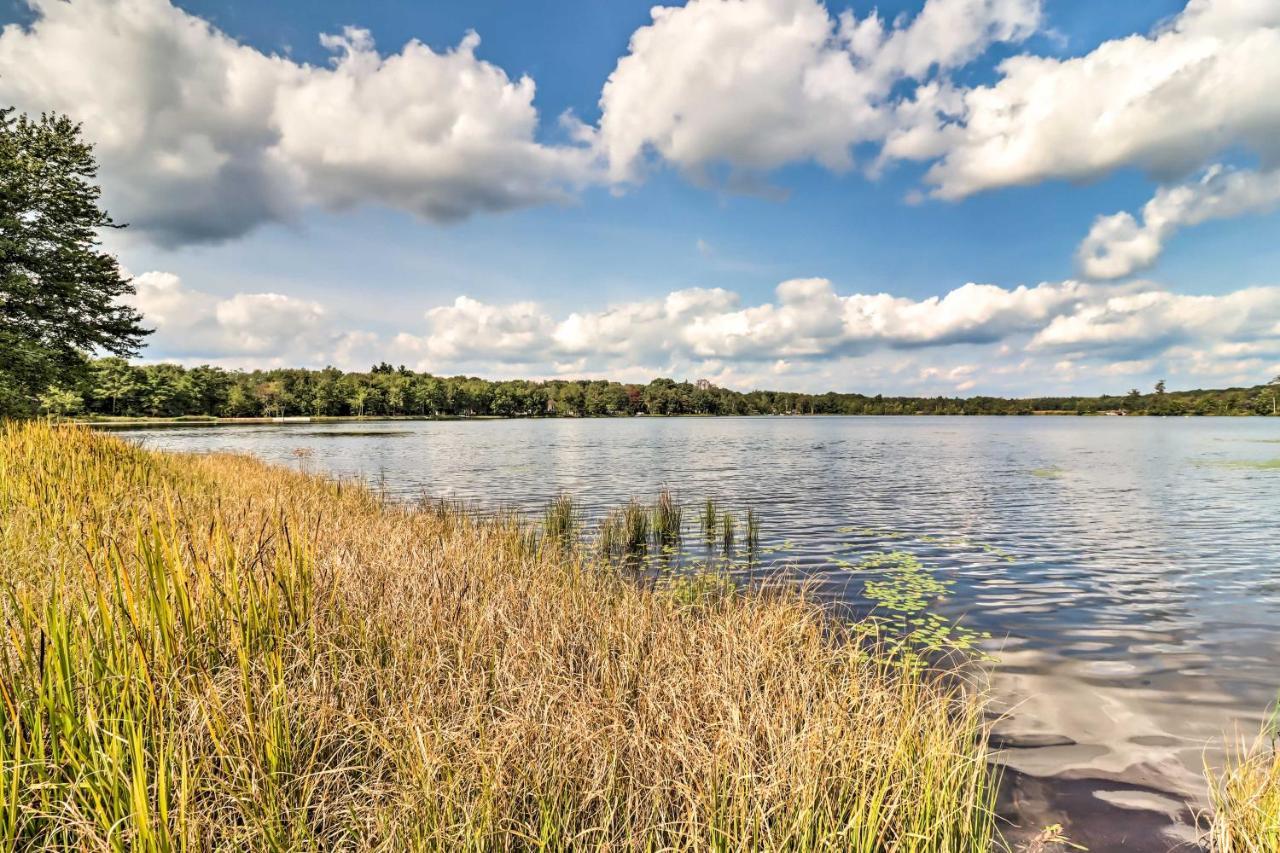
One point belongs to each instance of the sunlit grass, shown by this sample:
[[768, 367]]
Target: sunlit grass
[[1246, 800], [209, 652]]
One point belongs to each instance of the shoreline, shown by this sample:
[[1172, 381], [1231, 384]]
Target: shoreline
[[302, 420]]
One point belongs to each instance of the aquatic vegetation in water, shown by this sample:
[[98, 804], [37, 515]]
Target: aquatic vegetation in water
[[906, 591], [635, 522], [561, 522], [611, 539], [708, 518], [667, 519], [1255, 464], [728, 530], [1050, 473], [753, 530]]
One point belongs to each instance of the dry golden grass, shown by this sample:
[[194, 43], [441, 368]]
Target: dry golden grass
[[1246, 801], [208, 652]]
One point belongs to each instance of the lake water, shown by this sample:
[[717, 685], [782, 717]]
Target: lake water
[[1127, 568]]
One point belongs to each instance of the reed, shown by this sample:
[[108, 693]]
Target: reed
[[561, 522], [611, 540], [212, 653], [753, 530], [1245, 799], [708, 518], [635, 526], [668, 520], [728, 530]]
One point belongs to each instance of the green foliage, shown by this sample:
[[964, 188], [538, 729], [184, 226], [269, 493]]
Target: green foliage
[[112, 386], [59, 292]]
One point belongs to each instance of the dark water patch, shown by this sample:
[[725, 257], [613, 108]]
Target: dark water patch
[[1098, 815]]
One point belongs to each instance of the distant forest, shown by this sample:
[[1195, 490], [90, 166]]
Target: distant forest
[[113, 386]]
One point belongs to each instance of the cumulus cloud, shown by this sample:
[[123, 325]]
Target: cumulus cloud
[[1166, 102], [202, 138], [809, 322], [1145, 320], [1119, 245], [758, 83], [258, 328], [809, 336]]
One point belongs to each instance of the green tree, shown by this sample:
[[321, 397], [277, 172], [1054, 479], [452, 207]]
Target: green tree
[[116, 381], [59, 292], [60, 402]]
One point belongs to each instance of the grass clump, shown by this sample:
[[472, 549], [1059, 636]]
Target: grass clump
[[668, 518], [212, 653], [635, 526], [708, 518], [1245, 799], [561, 522], [728, 530]]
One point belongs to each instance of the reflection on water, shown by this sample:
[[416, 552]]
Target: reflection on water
[[1126, 568]]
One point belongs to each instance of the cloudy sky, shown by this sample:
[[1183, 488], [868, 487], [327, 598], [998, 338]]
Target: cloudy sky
[[924, 196]]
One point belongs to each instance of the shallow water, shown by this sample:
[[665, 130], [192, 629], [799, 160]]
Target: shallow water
[[1126, 568]]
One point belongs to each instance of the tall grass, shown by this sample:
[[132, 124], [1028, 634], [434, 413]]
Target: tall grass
[[728, 531], [561, 522], [707, 519], [1245, 800], [753, 530], [208, 652], [668, 518]]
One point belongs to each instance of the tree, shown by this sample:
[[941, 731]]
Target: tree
[[59, 292], [116, 380], [1160, 387], [60, 402]]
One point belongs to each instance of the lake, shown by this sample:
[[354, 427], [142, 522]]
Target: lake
[[1126, 568]]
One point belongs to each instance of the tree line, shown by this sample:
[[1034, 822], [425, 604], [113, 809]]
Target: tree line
[[114, 386]]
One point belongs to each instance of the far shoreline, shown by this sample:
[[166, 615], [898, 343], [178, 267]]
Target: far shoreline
[[120, 422]]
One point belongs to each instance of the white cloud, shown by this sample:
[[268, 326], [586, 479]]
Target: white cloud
[[202, 138], [1141, 320], [979, 337], [809, 322], [1118, 245], [1167, 102], [758, 83], [261, 329], [469, 329]]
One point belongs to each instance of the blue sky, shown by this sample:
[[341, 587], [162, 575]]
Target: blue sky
[[306, 243]]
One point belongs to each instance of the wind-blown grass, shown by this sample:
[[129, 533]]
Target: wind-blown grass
[[209, 652], [1246, 800]]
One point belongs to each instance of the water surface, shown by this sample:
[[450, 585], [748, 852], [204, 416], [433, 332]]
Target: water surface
[[1126, 567]]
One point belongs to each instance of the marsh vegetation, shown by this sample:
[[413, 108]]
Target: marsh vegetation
[[212, 652]]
